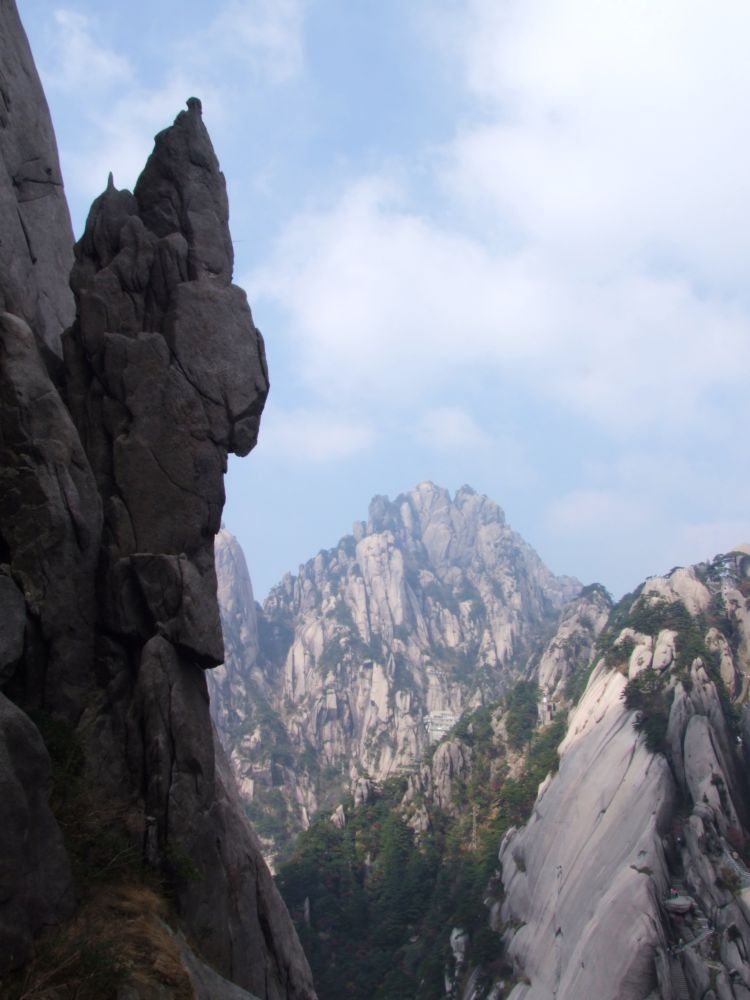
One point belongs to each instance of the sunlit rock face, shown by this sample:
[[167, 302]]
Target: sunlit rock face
[[574, 641], [114, 438], [628, 880], [431, 606], [574, 876]]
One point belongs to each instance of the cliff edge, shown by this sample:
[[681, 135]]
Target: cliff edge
[[119, 404]]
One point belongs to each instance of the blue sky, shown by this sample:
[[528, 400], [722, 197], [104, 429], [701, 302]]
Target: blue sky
[[491, 242]]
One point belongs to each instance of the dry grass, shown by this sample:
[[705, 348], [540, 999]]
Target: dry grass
[[150, 952], [119, 934], [117, 938]]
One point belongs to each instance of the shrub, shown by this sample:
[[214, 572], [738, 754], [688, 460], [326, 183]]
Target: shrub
[[728, 879], [646, 696], [522, 715]]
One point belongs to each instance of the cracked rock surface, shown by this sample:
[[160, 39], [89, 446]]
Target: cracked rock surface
[[36, 244], [114, 437], [626, 882]]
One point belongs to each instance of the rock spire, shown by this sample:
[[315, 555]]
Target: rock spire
[[114, 444]]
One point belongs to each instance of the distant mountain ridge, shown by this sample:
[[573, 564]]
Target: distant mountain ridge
[[431, 606], [601, 850]]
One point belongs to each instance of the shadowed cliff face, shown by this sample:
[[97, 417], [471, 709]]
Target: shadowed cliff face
[[111, 491], [49, 509], [36, 251]]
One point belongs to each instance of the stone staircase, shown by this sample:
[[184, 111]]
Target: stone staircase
[[738, 868], [679, 983]]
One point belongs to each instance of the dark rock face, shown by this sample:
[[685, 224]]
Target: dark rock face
[[51, 525], [35, 879], [49, 506], [37, 240], [166, 376], [111, 491]]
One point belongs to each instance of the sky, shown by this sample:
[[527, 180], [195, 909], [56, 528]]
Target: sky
[[496, 242]]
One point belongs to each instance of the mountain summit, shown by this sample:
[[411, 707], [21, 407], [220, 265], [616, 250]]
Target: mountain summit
[[377, 646]]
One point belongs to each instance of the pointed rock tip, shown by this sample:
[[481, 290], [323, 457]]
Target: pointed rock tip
[[427, 486], [111, 182]]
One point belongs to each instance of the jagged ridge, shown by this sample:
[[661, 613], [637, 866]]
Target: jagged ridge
[[432, 606]]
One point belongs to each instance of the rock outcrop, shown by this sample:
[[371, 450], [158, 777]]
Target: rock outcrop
[[49, 508], [36, 884], [577, 878], [628, 881], [232, 684], [111, 491], [376, 646], [574, 641], [36, 252]]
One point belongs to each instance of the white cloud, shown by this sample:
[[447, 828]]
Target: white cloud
[[611, 129], [312, 436], [450, 428], [82, 61], [600, 194], [591, 512], [650, 509], [214, 56], [267, 35], [383, 301]]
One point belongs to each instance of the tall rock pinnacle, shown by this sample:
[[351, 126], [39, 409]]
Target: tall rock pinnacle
[[114, 443]]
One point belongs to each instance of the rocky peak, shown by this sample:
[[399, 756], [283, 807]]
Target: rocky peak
[[111, 493], [431, 607], [182, 190], [232, 683]]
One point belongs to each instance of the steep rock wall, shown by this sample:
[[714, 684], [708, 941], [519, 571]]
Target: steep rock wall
[[36, 252], [111, 491], [49, 508], [588, 909]]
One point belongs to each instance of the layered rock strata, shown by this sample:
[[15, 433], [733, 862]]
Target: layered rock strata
[[111, 492]]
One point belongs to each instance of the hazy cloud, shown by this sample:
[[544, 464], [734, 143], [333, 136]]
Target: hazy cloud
[[216, 55], [447, 428], [81, 60], [313, 436], [380, 298], [266, 35]]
